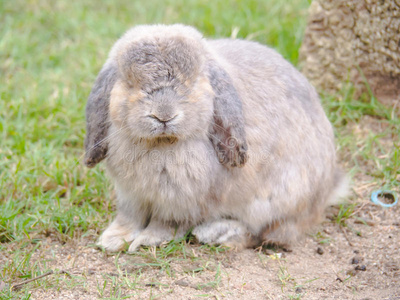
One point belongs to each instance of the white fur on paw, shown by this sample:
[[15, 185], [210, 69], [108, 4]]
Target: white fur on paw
[[219, 232], [147, 239], [112, 243], [155, 235], [115, 237]]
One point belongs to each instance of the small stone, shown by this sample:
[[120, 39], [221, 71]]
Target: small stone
[[298, 290], [356, 251], [91, 272], [320, 251], [361, 268], [355, 261], [182, 282], [151, 284]]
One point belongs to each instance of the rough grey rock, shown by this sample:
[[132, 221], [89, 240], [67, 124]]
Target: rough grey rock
[[346, 40]]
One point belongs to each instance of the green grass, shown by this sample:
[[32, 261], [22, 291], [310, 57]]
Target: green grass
[[50, 53], [368, 136]]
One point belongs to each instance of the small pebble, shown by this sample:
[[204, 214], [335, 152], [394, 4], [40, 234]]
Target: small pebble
[[320, 251], [361, 268], [356, 251], [298, 290], [182, 282], [355, 261], [91, 272], [151, 284]]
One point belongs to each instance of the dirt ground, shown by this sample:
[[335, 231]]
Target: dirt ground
[[359, 261]]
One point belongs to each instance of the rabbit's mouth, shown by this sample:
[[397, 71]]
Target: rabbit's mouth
[[164, 131]]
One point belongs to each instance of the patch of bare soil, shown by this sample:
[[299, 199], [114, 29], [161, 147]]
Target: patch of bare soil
[[359, 261]]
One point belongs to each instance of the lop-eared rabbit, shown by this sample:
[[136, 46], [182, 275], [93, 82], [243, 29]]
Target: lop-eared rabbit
[[221, 136]]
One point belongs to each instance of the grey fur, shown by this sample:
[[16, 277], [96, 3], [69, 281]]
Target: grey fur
[[228, 134], [97, 115], [149, 64], [184, 113]]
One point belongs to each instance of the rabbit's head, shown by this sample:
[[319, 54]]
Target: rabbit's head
[[163, 91], [161, 84]]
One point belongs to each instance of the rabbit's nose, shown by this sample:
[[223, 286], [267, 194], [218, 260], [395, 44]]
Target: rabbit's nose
[[163, 120]]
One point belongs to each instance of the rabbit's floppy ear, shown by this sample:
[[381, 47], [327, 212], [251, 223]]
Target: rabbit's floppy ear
[[227, 133], [97, 115]]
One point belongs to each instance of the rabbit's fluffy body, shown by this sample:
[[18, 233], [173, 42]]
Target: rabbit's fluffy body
[[164, 134]]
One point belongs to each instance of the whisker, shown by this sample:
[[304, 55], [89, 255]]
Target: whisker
[[105, 139], [224, 129], [215, 137], [110, 135], [127, 125]]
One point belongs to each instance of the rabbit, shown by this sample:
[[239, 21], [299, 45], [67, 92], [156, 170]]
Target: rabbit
[[222, 137]]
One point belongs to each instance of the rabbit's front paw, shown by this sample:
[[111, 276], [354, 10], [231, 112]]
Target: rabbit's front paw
[[155, 234], [116, 236]]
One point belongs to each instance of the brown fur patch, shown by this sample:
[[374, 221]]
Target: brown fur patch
[[136, 95], [159, 141], [203, 87], [120, 93]]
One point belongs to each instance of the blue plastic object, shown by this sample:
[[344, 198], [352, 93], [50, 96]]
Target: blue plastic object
[[375, 199]]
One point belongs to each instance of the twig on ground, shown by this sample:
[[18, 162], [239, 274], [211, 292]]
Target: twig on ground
[[345, 235], [19, 285]]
